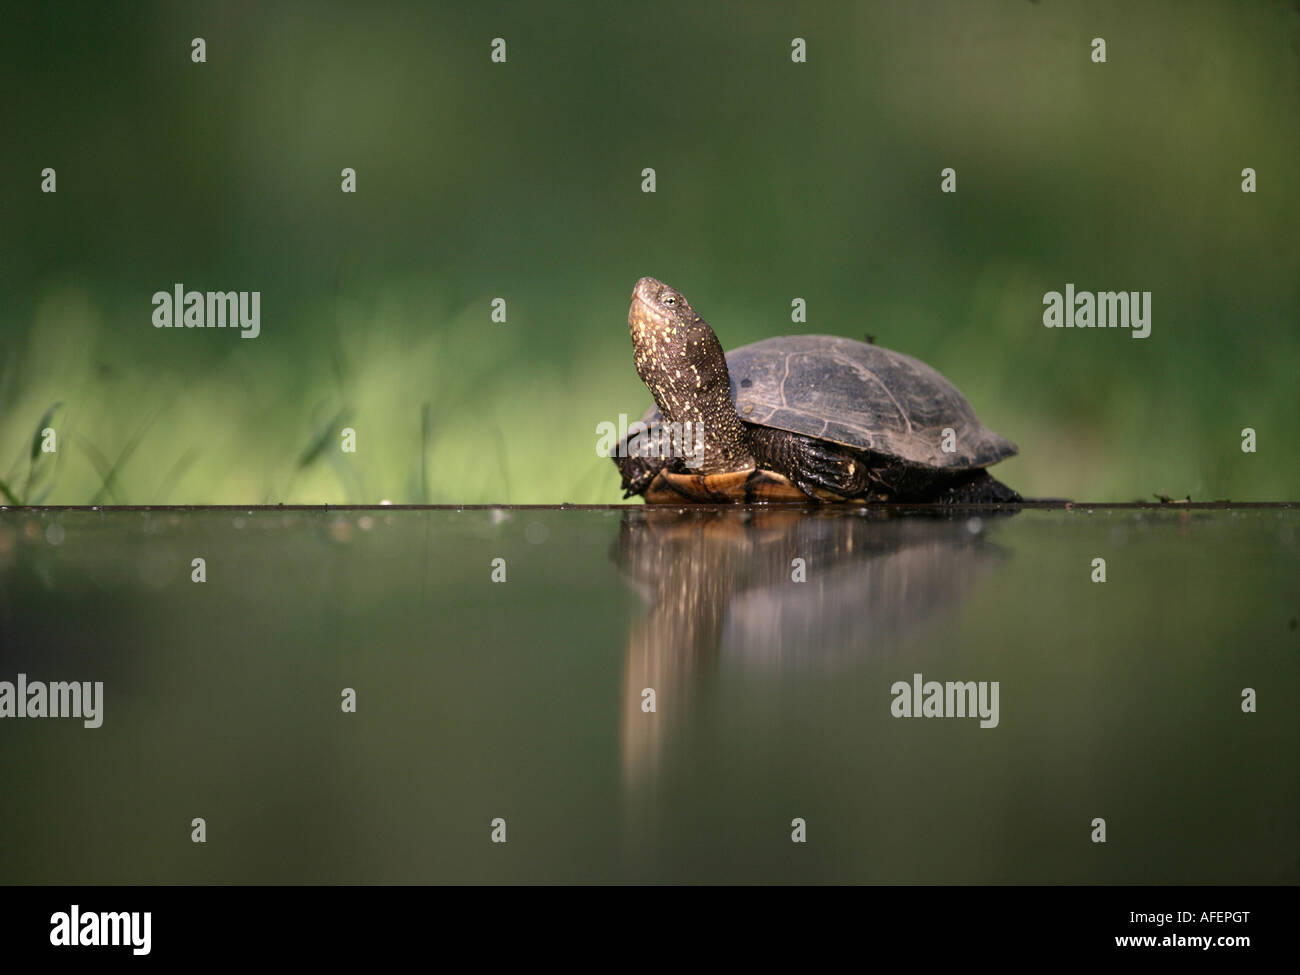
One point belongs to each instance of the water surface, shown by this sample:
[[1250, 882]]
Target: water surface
[[523, 699]]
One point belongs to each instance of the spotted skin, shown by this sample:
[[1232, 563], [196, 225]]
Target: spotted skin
[[681, 362]]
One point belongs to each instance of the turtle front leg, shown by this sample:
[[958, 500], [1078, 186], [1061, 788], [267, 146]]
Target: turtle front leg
[[639, 472], [818, 468], [637, 463]]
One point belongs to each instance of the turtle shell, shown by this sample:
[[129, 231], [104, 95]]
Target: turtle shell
[[861, 396]]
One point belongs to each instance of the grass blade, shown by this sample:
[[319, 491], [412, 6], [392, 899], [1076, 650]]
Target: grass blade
[[110, 478]]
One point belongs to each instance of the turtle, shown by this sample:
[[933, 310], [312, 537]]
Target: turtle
[[803, 418]]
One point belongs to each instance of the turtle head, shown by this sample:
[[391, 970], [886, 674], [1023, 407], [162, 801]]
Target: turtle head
[[681, 361], [677, 355]]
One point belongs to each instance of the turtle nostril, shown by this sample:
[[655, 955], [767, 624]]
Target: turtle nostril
[[746, 383]]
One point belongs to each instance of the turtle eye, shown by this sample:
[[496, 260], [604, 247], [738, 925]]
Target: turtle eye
[[669, 299]]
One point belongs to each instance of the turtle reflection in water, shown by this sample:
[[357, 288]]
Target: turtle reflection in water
[[720, 589], [795, 418]]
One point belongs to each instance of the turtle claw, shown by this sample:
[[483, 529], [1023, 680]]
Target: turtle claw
[[638, 472], [823, 467]]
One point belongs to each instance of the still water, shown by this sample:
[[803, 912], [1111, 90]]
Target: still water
[[779, 645]]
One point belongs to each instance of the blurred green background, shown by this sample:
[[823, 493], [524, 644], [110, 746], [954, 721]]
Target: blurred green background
[[522, 181]]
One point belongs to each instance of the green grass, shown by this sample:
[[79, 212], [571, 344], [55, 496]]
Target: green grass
[[435, 423]]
